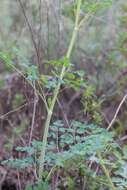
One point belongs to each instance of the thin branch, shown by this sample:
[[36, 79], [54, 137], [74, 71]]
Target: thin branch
[[34, 113], [40, 30], [64, 114], [117, 111], [14, 110], [30, 30]]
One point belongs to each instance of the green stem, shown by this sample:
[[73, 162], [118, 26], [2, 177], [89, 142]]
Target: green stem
[[75, 30], [56, 92], [106, 172]]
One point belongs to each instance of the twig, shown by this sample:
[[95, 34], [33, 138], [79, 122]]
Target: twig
[[39, 32], [64, 114], [34, 113], [123, 138], [19, 182], [14, 110], [51, 171], [117, 111], [30, 30]]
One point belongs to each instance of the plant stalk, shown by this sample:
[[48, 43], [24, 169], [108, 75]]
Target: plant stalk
[[56, 92], [106, 172]]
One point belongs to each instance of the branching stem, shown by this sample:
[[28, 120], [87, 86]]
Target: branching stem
[[56, 91]]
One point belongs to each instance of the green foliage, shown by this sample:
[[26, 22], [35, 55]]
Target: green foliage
[[28, 150], [32, 73], [122, 42], [48, 82], [88, 7], [18, 163], [91, 104], [93, 5], [39, 186], [59, 63], [77, 146], [75, 79], [27, 68]]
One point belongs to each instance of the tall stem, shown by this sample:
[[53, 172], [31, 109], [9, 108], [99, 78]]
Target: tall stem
[[56, 91]]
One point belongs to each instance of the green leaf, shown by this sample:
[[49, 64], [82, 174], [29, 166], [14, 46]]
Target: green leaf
[[37, 144], [27, 149], [58, 123], [120, 182], [78, 138], [67, 139], [70, 130], [59, 63], [80, 130], [62, 129], [18, 163]]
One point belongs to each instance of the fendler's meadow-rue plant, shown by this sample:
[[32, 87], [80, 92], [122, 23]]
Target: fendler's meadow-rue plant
[[78, 23], [56, 91]]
